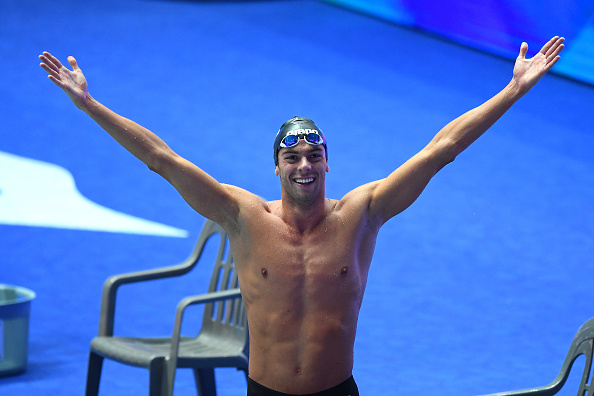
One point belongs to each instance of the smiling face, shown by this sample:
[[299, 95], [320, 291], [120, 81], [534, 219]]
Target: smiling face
[[302, 170], [298, 127]]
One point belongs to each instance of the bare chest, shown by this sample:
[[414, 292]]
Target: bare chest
[[312, 266], [319, 269]]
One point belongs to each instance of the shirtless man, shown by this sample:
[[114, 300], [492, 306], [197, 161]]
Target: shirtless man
[[303, 297]]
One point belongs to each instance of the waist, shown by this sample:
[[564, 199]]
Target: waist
[[345, 388]]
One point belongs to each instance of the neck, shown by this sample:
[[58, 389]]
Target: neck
[[303, 217]]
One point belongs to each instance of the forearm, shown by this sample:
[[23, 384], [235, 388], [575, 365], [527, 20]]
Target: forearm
[[464, 130], [139, 141]]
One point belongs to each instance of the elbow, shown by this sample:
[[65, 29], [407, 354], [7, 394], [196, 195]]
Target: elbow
[[451, 150], [445, 152], [158, 160], [155, 163], [154, 169], [445, 162]]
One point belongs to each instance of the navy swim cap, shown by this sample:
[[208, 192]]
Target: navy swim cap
[[294, 124]]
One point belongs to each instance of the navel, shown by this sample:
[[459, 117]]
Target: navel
[[344, 270], [264, 273]]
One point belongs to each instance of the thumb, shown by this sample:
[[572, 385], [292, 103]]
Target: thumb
[[72, 62], [523, 50]]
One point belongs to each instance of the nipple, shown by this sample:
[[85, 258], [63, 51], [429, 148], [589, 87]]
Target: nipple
[[344, 270], [264, 272]]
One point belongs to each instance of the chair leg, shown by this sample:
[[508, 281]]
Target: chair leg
[[156, 375], [205, 382], [94, 374]]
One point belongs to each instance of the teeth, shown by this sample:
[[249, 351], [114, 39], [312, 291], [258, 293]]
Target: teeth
[[304, 181]]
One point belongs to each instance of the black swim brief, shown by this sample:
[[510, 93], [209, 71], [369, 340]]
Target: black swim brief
[[347, 388]]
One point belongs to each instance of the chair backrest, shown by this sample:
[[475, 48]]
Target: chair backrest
[[226, 318], [582, 344]]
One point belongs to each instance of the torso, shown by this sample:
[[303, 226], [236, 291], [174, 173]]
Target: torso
[[303, 292]]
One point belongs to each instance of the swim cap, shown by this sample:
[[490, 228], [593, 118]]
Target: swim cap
[[294, 124]]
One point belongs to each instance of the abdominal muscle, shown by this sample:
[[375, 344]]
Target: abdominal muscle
[[302, 311], [301, 350]]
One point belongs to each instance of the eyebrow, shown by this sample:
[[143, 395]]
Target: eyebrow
[[312, 149]]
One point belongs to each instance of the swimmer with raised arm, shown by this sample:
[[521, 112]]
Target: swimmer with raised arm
[[303, 297]]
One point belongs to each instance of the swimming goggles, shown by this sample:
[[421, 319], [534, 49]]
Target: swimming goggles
[[311, 136]]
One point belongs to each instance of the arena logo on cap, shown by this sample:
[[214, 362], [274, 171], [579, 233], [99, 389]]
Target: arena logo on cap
[[302, 131]]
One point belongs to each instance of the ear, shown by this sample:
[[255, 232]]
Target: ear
[[276, 171], [327, 168]]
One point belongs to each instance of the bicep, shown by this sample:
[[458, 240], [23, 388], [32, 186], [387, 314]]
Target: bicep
[[201, 191], [402, 187]]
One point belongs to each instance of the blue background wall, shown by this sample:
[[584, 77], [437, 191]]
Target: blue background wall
[[499, 26]]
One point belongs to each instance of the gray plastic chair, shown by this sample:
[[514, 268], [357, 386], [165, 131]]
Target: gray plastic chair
[[581, 345], [221, 342]]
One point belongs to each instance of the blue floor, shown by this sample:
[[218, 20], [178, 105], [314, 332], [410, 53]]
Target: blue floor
[[479, 287]]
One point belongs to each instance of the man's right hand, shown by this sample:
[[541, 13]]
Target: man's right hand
[[73, 82]]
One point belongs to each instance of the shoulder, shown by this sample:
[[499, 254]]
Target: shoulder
[[356, 204], [249, 207], [246, 200], [360, 197]]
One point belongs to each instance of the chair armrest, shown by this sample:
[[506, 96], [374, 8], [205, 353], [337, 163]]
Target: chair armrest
[[229, 294], [207, 298], [111, 285]]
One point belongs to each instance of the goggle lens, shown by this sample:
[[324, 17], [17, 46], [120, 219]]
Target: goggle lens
[[290, 141], [313, 138]]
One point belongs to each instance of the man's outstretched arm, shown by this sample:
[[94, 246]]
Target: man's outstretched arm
[[200, 190], [395, 193]]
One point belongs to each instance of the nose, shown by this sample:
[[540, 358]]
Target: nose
[[304, 164]]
